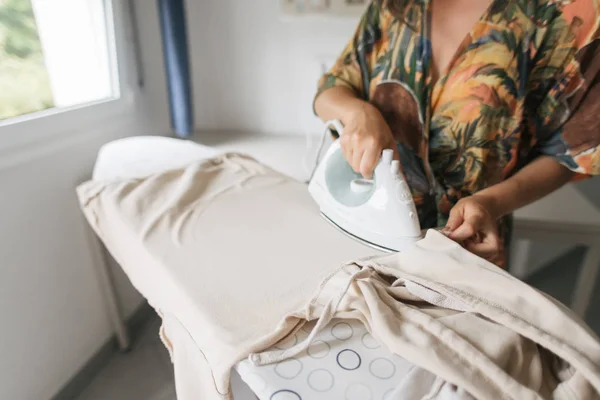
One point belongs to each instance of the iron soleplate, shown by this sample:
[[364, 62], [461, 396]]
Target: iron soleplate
[[356, 238]]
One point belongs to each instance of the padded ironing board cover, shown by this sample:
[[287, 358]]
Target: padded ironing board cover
[[141, 156]]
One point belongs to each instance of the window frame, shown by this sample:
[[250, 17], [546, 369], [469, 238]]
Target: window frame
[[28, 129]]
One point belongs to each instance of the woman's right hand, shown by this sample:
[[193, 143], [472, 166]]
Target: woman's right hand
[[365, 136]]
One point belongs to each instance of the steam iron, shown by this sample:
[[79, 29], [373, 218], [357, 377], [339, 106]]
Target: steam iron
[[379, 212]]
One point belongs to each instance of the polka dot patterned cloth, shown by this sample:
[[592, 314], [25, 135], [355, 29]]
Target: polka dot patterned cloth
[[344, 362]]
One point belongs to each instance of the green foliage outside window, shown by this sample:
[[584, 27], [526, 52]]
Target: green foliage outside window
[[24, 82]]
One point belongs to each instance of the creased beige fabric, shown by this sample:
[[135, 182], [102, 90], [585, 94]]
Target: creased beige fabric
[[236, 254], [492, 335], [227, 247]]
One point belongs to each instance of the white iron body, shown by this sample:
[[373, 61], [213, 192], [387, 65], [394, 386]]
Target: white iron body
[[379, 212]]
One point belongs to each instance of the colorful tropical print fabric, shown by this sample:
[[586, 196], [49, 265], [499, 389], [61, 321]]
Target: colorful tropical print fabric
[[522, 84]]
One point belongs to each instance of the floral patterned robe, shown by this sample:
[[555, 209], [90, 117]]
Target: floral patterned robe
[[523, 83]]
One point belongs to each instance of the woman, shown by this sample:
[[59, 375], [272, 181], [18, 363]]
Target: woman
[[491, 105]]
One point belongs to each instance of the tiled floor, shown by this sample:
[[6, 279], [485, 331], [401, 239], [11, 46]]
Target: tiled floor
[[146, 372]]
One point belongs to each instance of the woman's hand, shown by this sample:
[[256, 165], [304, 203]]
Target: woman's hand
[[366, 135], [472, 223]]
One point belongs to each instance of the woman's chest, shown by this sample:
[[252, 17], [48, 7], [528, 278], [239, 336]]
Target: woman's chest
[[465, 74], [451, 22], [470, 114]]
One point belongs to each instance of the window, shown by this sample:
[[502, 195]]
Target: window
[[55, 55]]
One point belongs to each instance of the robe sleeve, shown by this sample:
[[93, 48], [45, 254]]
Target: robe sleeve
[[565, 91], [353, 67]]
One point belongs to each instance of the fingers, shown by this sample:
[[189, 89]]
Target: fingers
[[369, 161], [488, 248], [361, 153], [463, 232], [469, 227], [347, 148], [484, 242], [491, 244], [357, 157], [454, 220]]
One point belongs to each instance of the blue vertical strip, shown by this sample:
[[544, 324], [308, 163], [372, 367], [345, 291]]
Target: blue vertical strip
[[175, 50]]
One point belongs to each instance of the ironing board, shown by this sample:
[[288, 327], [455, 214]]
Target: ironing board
[[343, 362], [130, 158]]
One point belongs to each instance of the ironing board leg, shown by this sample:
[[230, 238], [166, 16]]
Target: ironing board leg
[[109, 291], [586, 281]]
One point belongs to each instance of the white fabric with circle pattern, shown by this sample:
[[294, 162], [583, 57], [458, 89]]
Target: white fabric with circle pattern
[[343, 362]]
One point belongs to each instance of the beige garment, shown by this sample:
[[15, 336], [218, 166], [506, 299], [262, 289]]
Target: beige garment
[[225, 246], [490, 334], [237, 254]]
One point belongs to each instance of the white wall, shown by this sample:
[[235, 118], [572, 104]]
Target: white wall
[[252, 71], [150, 63], [53, 315], [51, 305]]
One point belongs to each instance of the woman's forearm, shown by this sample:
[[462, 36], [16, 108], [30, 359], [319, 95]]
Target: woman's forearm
[[536, 180], [338, 102]]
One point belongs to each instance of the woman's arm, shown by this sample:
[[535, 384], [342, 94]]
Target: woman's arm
[[472, 220], [366, 134], [536, 180], [343, 89], [338, 102]]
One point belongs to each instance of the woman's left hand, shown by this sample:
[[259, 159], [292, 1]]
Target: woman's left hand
[[472, 224]]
